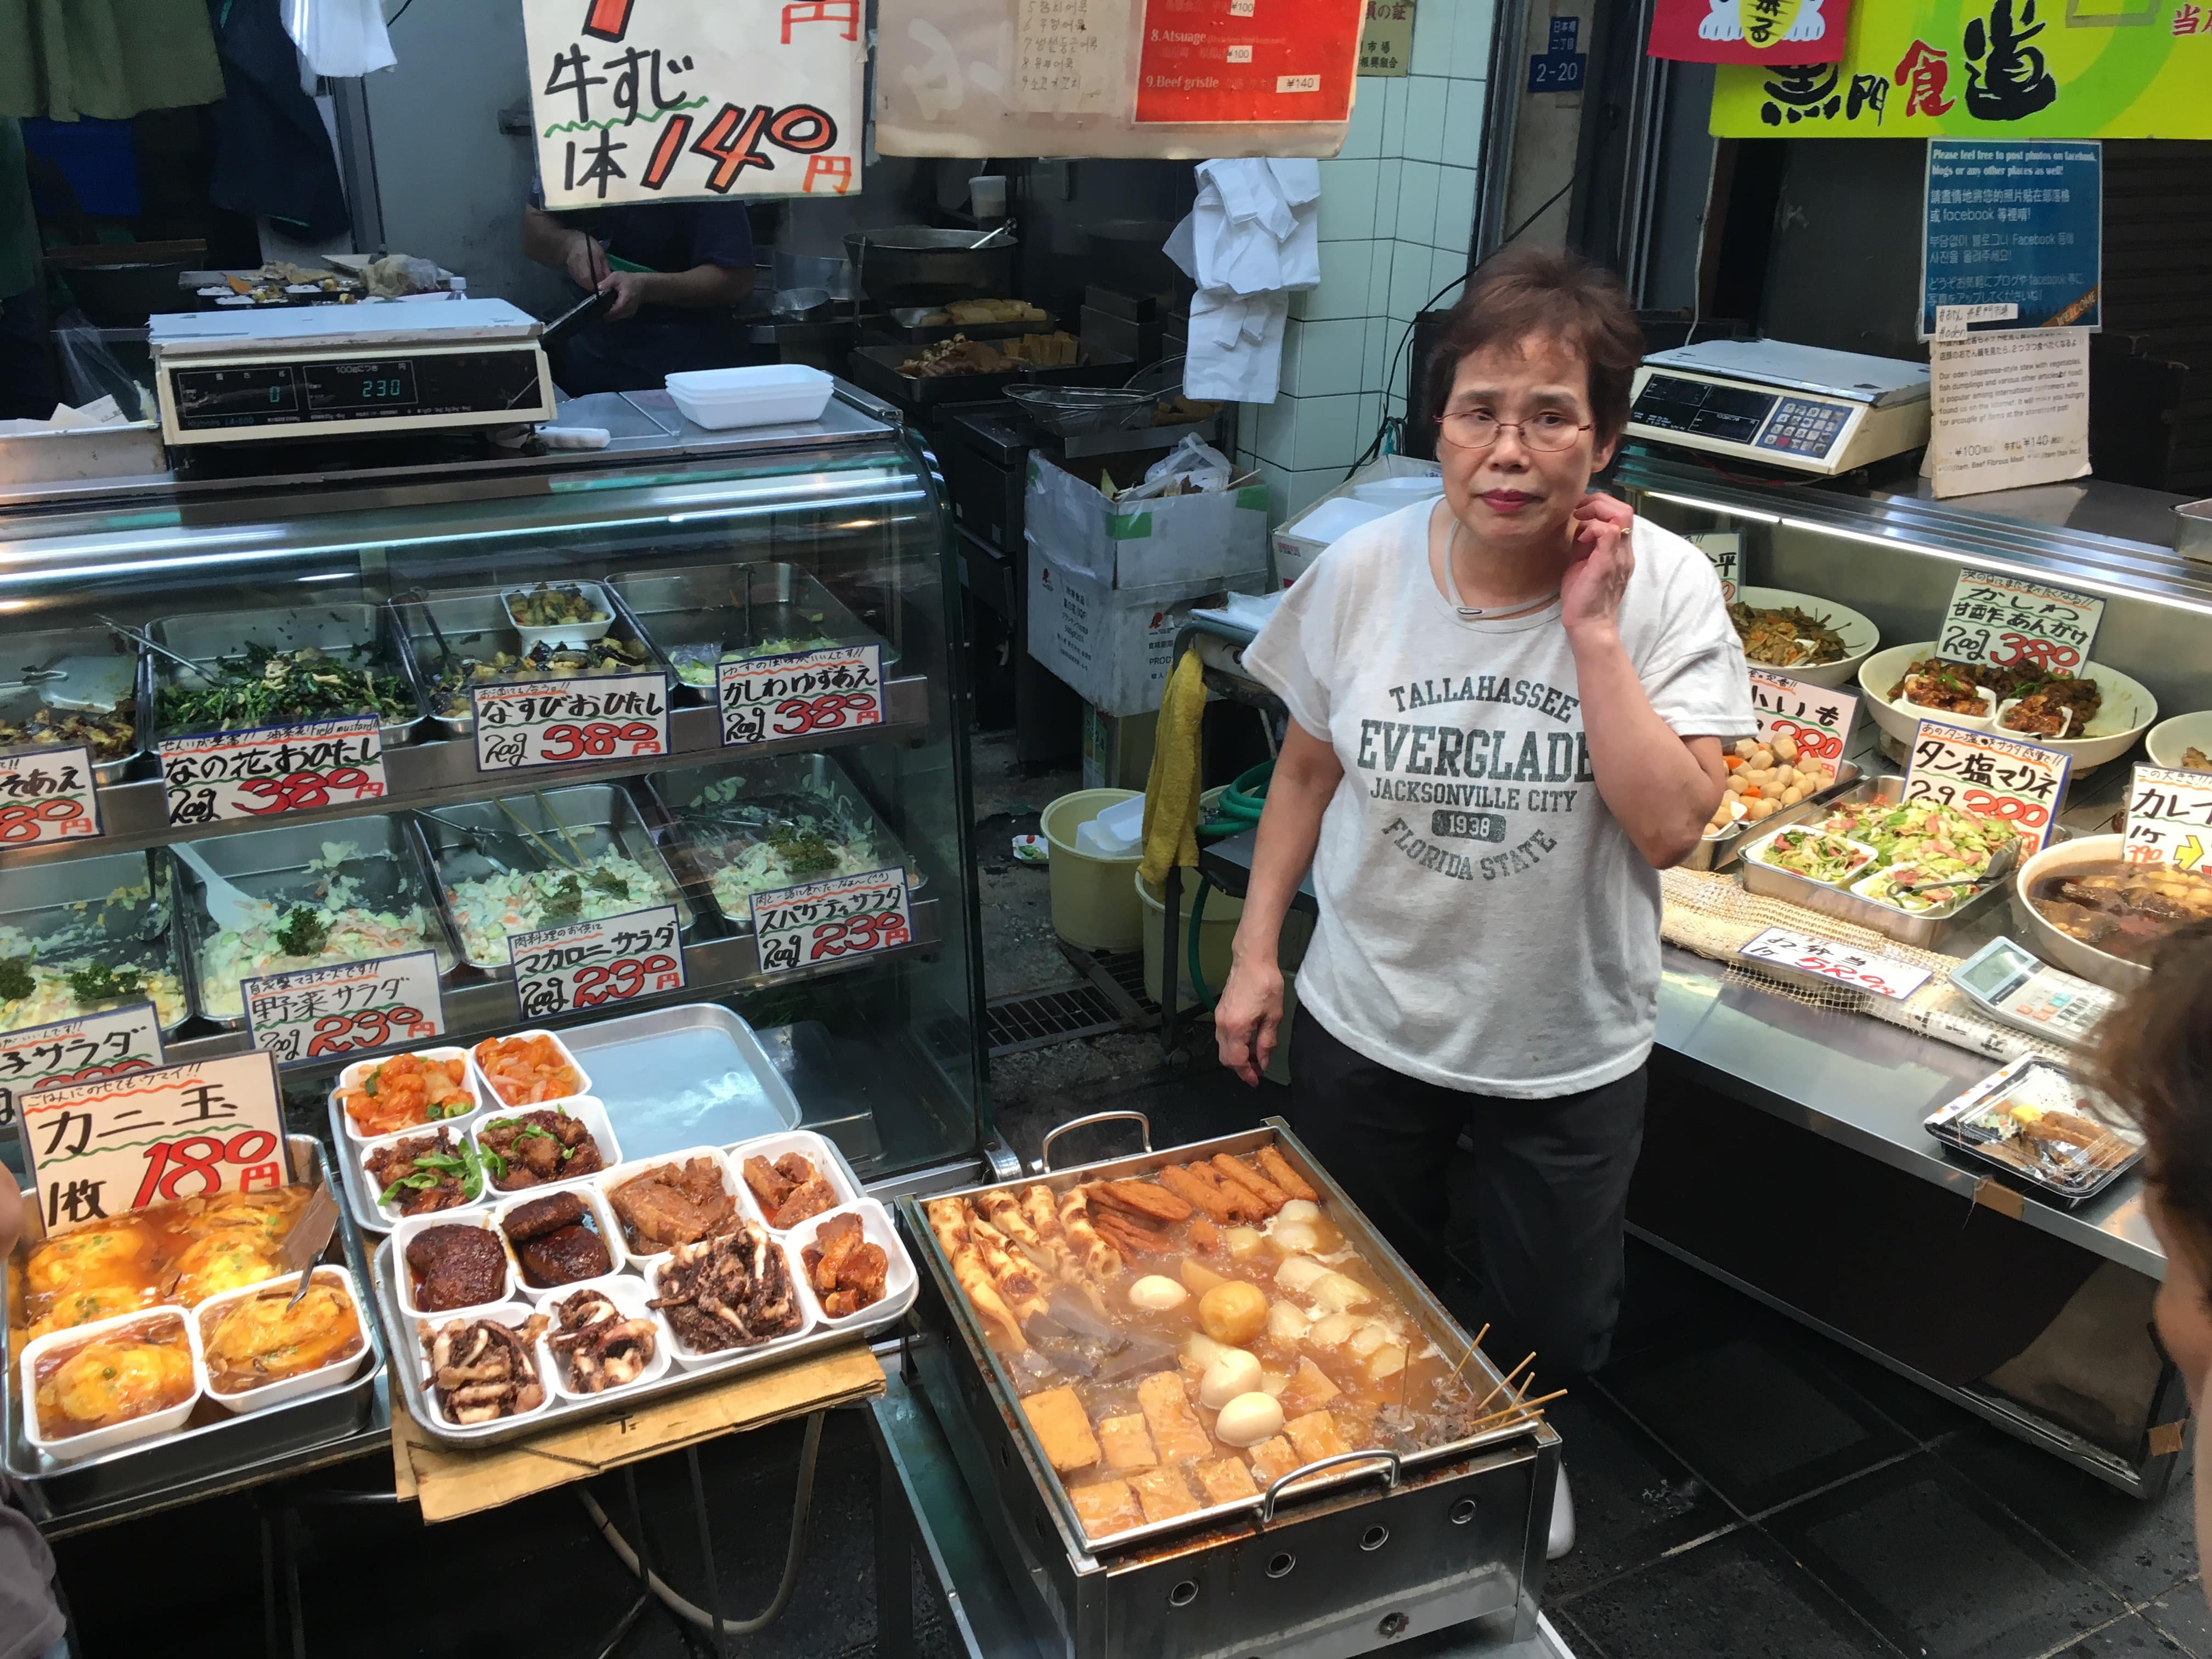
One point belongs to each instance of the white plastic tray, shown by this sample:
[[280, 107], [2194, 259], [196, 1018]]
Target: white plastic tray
[[491, 1096], [605, 1185], [69, 1448], [602, 1219], [816, 1149], [588, 1108], [248, 1401]]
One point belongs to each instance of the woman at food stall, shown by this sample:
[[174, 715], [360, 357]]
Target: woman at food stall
[[1507, 715]]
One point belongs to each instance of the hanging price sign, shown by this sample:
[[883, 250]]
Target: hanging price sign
[[272, 768], [1724, 551], [2010, 623], [345, 1008], [100, 1150], [835, 689], [841, 916], [1991, 775], [592, 964], [1835, 963], [570, 722], [83, 1050], [47, 794], [2170, 819], [1816, 718]]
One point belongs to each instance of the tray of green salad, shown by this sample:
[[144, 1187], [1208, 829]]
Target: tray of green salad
[[278, 667], [721, 613]]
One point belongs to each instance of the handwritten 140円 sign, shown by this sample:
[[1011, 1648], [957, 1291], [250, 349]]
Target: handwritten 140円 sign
[[345, 1008], [100, 1150], [669, 101], [592, 964], [47, 794], [218, 775], [2009, 622], [570, 722], [2169, 819], [1816, 718], [833, 689], [86, 1050], [824, 922], [1991, 775]]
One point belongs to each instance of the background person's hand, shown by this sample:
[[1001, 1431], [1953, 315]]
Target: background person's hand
[[587, 263], [1248, 1018], [626, 290], [1605, 557]]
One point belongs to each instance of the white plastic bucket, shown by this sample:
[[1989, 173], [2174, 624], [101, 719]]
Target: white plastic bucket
[[1094, 906]]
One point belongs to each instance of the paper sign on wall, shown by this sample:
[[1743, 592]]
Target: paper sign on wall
[[2010, 621], [2008, 410], [1386, 46], [670, 101], [1749, 31], [81, 1050], [1218, 61], [48, 795], [2170, 819], [1816, 718], [2013, 224], [1992, 776]]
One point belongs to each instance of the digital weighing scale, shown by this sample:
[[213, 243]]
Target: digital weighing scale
[[422, 366], [1780, 404], [2013, 985]]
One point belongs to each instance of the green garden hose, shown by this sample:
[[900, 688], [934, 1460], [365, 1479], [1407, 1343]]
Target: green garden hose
[[1239, 810]]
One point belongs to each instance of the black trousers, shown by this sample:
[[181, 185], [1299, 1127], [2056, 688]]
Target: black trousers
[[1551, 1188]]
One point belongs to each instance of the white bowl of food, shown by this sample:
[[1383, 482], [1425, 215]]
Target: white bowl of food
[[558, 613], [260, 1350], [2082, 906], [2124, 711], [2172, 743], [94, 1387], [1760, 617]]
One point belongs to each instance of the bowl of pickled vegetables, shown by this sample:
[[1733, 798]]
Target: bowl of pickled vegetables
[[559, 613], [1809, 639]]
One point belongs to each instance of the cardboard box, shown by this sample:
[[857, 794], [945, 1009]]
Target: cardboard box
[[1145, 545], [1294, 553], [1114, 647]]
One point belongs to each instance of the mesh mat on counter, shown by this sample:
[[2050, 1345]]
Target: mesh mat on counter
[[1713, 916]]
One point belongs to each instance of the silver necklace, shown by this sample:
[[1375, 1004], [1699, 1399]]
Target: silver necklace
[[1471, 612]]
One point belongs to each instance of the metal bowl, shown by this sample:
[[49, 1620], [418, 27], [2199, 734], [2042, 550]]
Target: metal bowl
[[2061, 949], [919, 266]]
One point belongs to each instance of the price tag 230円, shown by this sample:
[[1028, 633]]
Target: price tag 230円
[[840, 916], [591, 964], [345, 1008], [799, 694]]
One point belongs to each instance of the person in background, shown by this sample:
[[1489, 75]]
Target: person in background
[[32, 1624], [2154, 1058], [673, 273]]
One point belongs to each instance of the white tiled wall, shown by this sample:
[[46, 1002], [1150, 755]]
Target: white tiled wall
[[1397, 212]]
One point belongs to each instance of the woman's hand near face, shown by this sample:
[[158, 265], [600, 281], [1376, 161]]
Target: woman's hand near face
[[1596, 581]]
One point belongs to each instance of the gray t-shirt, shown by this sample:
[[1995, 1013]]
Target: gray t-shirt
[[1485, 922]]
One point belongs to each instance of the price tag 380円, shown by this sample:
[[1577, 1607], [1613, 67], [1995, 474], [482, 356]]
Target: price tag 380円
[[2010, 622], [570, 722], [345, 1008], [272, 768], [840, 916], [47, 794], [796, 694], [590, 965]]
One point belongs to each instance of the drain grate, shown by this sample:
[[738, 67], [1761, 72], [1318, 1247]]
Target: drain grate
[[1014, 1023], [1125, 969]]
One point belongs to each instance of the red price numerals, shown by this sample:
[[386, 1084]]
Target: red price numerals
[[199, 1157], [877, 931], [2007, 808], [796, 716], [1811, 740], [371, 1027], [24, 821], [300, 792], [598, 740], [94, 1073], [619, 982], [2046, 654]]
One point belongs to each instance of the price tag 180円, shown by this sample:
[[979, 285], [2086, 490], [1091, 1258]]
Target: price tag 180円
[[590, 965], [2010, 622], [2170, 819], [1991, 775], [1816, 718], [345, 1008], [570, 722], [47, 794], [835, 689], [83, 1050], [1836, 962], [840, 916], [216, 775]]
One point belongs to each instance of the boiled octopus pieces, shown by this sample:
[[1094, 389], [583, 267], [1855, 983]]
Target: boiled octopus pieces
[[728, 1292], [601, 1349]]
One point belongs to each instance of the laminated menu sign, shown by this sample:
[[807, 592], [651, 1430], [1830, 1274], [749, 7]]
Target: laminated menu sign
[[81, 1050], [800, 693], [591, 964], [570, 722], [1846, 965], [1989, 774], [2169, 819], [99, 1150], [2009, 622], [345, 1008], [1816, 718], [268, 769], [1245, 61], [47, 794], [842, 916]]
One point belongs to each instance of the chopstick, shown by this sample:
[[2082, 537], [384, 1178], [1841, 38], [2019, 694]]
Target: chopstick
[[546, 851], [546, 807], [1473, 1348], [1505, 1382], [1527, 1407]]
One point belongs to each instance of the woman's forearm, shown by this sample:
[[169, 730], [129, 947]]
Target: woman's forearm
[[1660, 789]]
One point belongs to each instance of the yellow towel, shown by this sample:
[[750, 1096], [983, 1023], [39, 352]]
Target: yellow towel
[[1171, 792]]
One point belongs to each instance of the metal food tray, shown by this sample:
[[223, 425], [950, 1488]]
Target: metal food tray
[[337, 628], [680, 608], [661, 1095], [222, 1442], [74, 669], [1924, 930], [901, 323], [475, 623], [1425, 1311], [816, 775], [600, 817], [876, 368], [1721, 851], [269, 864], [32, 897]]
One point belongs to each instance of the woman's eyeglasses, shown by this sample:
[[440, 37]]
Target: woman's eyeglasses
[[1478, 428]]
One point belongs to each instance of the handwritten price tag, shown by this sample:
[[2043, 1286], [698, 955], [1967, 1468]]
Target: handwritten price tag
[[1991, 775], [272, 768], [2170, 819], [835, 689], [1844, 965], [819, 922], [591, 964], [47, 794], [2010, 622], [98, 1150], [1817, 718], [570, 722], [345, 1008], [81, 1050], [1723, 550]]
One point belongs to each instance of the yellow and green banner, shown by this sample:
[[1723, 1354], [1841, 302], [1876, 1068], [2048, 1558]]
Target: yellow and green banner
[[1990, 68]]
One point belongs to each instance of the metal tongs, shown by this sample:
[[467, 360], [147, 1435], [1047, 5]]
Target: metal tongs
[[2005, 857], [136, 638]]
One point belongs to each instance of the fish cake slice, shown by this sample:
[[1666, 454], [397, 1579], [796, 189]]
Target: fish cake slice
[[1065, 1432], [1315, 1436], [1177, 1433], [1226, 1480], [1165, 1493], [1105, 1507], [1235, 1170], [1127, 1442], [1274, 1459], [1277, 1169]]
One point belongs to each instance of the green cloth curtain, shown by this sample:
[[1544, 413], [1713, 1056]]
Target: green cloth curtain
[[109, 58]]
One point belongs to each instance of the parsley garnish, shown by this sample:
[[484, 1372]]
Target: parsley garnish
[[303, 933]]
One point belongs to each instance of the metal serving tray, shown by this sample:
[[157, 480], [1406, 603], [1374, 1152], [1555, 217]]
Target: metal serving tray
[[204, 638], [694, 1075], [54, 902], [876, 368], [904, 323], [736, 607], [216, 1441], [475, 623], [1721, 851], [810, 778], [271, 864], [599, 817], [70, 670]]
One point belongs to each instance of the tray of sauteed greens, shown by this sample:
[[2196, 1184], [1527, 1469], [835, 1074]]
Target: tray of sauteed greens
[[454, 643], [62, 687], [234, 671], [86, 936], [701, 618]]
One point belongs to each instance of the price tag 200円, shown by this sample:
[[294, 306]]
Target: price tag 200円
[[799, 694], [345, 1008], [1991, 775], [47, 794], [590, 965], [840, 916]]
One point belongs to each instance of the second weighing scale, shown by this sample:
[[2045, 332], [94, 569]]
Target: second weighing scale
[[1800, 407], [313, 371]]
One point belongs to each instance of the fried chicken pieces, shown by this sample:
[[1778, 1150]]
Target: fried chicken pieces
[[730, 1291], [481, 1369], [790, 1190], [847, 1272], [598, 1348]]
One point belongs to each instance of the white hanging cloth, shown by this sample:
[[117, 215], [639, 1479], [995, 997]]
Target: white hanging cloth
[[340, 38], [1250, 241]]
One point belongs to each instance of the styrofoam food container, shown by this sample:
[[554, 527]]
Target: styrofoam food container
[[1395, 492], [513, 1315], [2169, 740], [759, 394], [876, 1226], [2128, 712], [490, 1092], [351, 1077], [1757, 850], [809, 1146], [94, 1441], [560, 634], [610, 1179], [588, 1109], [810, 1315], [1861, 638], [370, 1194], [247, 1401], [405, 1233], [602, 1219], [628, 1295]]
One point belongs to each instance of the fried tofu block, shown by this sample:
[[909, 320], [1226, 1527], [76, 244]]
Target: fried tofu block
[[1309, 1389], [1105, 1507], [1165, 1493], [1127, 1442], [1225, 1480], [1274, 1459], [1177, 1431], [1057, 1417], [1315, 1436]]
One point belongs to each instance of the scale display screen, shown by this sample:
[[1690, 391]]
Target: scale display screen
[[1670, 403], [239, 395], [334, 392], [359, 385]]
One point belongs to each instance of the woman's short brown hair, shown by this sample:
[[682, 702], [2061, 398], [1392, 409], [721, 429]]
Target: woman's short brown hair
[[1532, 293], [2154, 1058]]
